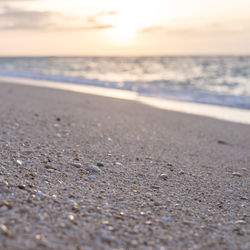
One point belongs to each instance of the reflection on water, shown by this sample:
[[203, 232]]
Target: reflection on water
[[220, 80]]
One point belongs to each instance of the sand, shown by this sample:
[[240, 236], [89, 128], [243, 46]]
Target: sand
[[79, 171]]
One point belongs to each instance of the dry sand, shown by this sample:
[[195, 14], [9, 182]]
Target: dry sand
[[164, 180]]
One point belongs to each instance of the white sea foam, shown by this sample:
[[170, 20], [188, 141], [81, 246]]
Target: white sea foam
[[218, 112], [218, 80]]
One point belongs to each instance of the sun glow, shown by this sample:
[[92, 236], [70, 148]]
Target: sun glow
[[128, 21]]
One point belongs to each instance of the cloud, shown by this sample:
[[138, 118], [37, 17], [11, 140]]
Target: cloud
[[8, 1], [152, 29], [209, 28], [14, 1], [20, 19], [15, 19], [96, 19]]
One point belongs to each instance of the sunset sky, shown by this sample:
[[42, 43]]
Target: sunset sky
[[124, 27]]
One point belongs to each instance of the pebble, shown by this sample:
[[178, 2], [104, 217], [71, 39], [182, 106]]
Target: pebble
[[8, 205], [92, 177], [240, 222], [243, 198], [50, 170], [237, 174], [43, 177], [166, 219], [118, 164], [223, 142], [3, 209], [94, 169], [75, 208], [40, 194], [4, 230], [19, 162], [50, 167], [163, 176], [76, 164], [21, 186], [229, 191], [72, 203], [99, 164], [71, 217]]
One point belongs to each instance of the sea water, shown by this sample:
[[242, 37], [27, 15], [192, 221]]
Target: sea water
[[215, 80]]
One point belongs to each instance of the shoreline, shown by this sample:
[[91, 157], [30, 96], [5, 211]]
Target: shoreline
[[213, 111], [80, 171]]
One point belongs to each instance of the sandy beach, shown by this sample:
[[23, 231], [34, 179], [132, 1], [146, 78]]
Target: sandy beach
[[80, 171]]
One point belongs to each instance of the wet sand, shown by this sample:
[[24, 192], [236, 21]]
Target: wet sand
[[164, 180]]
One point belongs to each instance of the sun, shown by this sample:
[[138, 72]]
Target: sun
[[128, 22], [125, 28]]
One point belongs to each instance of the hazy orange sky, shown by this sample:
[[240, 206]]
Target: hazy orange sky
[[124, 27]]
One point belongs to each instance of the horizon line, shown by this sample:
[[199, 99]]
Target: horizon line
[[130, 55]]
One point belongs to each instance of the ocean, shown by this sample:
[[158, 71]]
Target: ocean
[[215, 80]]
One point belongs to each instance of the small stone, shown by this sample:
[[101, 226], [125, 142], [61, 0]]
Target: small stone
[[71, 217], [43, 177], [3, 209], [240, 222], [72, 203], [164, 177], [118, 164], [181, 172], [21, 186], [170, 164], [40, 194], [243, 198], [187, 222], [50, 167], [19, 162], [94, 169], [157, 204], [38, 237], [4, 230], [134, 242], [58, 119], [8, 205], [76, 164], [223, 142], [75, 208], [154, 187], [92, 177], [237, 174], [166, 219], [229, 191], [105, 222], [148, 222], [99, 164]]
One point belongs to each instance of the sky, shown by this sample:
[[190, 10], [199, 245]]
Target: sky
[[124, 27]]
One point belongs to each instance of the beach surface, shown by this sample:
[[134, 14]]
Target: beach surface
[[81, 171]]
